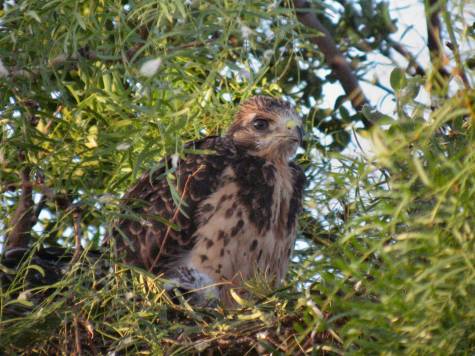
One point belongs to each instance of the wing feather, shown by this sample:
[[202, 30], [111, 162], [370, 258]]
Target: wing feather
[[156, 229], [296, 201]]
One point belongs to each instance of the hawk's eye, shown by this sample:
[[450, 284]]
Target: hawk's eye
[[260, 124]]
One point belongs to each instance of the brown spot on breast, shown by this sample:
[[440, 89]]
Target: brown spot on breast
[[253, 245], [237, 227], [259, 256], [207, 208], [209, 243], [223, 198], [221, 253], [203, 258], [229, 212], [221, 234]]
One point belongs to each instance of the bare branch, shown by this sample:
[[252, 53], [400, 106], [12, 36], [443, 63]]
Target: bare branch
[[23, 217], [334, 58], [434, 42], [418, 69], [77, 234], [77, 337], [453, 46]]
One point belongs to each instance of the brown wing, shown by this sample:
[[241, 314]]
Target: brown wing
[[157, 225], [296, 201]]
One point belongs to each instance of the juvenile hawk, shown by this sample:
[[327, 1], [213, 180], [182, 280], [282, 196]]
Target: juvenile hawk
[[239, 200]]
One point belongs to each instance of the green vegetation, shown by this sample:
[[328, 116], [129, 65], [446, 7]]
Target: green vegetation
[[93, 93]]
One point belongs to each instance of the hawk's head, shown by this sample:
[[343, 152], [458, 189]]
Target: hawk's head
[[267, 127]]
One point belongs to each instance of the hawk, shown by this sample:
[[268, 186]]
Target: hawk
[[232, 212]]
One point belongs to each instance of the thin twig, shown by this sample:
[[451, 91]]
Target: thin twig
[[409, 57], [379, 85], [77, 338], [453, 46], [77, 234]]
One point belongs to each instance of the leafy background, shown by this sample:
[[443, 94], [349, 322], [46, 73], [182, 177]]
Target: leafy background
[[93, 93]]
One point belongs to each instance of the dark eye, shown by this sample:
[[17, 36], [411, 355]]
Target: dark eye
[[260, 124]]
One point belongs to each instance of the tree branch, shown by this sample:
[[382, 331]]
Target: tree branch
[[434, 42], [24, 215], [333, 57]]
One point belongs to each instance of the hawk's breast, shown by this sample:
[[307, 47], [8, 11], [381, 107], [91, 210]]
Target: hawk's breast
[[243, 227]]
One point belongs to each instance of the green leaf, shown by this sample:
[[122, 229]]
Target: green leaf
[[345, 115], [398, 79], [24, 302], [80, 20], [38, 269], [33, 15], [420, 171]]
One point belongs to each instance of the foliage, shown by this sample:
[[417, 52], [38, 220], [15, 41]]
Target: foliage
[[400, 275], [94, 93]]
